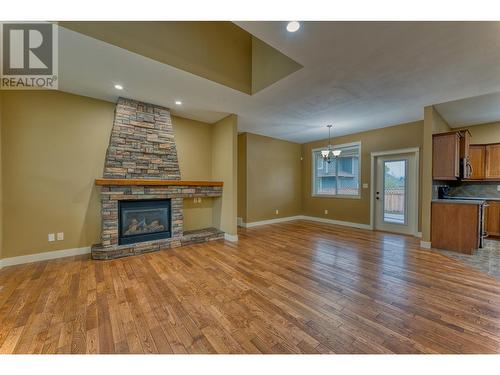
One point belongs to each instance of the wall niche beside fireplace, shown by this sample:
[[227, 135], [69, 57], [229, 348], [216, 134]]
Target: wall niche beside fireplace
[[144, 220]]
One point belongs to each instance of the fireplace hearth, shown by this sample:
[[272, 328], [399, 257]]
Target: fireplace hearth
[[142, 192], [143, 220]]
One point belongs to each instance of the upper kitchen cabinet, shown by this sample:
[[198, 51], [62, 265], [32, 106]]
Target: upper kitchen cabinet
[[492, 167], [477, 157], [446, 156]]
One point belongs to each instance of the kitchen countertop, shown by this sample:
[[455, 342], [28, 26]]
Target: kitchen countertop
[[460, 201], [475, 198]]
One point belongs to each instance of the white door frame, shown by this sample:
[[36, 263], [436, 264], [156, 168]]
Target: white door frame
[[374, 155]]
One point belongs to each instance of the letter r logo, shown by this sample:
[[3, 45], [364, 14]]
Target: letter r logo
[[27, 49]]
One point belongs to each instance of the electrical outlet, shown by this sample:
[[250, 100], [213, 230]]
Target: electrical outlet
[[365, 186], [52, 237], [60, 236], [277, 212], [326, 212]]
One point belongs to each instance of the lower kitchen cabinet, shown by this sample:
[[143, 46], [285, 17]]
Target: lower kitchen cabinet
[[456, 227], [493, 219]]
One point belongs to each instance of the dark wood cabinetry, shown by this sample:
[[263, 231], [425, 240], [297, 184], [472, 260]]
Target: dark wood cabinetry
[[456, 227], [492, 219], [492, 165], [485, 162], [453, 158], [477, 158], [446, 156]]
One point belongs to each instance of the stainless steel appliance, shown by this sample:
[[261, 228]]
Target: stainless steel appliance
[[465, 167], [482, 230]]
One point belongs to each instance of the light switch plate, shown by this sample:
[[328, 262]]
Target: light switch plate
[[326, 212], [60, 236], [365, 186], [498, 187], [52, 237]]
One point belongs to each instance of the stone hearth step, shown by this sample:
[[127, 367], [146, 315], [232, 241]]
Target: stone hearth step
[[201, 235]]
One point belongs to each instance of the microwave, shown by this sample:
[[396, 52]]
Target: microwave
[[465, 168]]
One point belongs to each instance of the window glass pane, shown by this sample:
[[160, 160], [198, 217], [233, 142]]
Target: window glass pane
[[395, 191], [340, 176]]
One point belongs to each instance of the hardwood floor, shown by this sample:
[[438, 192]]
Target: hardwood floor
[[296, 287]]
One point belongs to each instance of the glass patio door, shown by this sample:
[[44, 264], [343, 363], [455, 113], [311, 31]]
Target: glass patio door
[[395, 194]]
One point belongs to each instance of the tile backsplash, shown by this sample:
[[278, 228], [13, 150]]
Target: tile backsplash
[[475, 189]]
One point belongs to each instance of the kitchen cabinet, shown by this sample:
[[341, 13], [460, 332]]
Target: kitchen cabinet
[[446, 156], [492, 165], [477, 158], [456, 226], [492, 218]]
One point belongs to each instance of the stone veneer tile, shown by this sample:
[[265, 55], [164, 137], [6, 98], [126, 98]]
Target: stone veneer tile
[[142, 146], [142, 143]]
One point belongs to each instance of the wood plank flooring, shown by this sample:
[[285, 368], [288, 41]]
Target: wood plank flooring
[[296, 287]]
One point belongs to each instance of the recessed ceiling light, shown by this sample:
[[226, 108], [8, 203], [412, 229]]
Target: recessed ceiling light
[[293, 26], [178, 102], [119, 87]]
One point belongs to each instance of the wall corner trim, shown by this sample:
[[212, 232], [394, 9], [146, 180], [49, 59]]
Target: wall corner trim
[[5, 262], [231, 237], [425, 244]]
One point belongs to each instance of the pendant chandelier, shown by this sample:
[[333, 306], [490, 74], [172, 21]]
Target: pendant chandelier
[[329, 153]]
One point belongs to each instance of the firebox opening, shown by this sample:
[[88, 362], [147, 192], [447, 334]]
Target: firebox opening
[[143, 220]]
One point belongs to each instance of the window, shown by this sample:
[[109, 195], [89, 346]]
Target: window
[[341, 176]]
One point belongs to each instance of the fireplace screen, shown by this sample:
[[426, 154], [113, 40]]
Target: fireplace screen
[[144, 220]]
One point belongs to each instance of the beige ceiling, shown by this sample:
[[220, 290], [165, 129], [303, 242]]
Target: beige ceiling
[[356, 75]]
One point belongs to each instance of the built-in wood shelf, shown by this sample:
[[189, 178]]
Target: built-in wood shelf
[[146, 182]]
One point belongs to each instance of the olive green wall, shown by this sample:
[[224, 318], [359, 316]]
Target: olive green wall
[[485, 133], [1, 203], [53, 146], [193, 140], [433, 123], [242, 176], [356, 210], [225, 169], [269, 65], [273, 178]]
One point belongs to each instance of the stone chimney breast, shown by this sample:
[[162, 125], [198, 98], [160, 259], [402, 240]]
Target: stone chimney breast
[[142, 144]]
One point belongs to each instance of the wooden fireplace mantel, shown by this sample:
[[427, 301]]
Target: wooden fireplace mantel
[[146, 182]]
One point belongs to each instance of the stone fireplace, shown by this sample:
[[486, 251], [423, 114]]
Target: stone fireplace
[[141, 191]]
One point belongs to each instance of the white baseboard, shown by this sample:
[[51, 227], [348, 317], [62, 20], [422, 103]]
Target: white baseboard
[[338, 222], [271, 221], [231, 237], [5, 262], [310, 218], [425, 244]]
